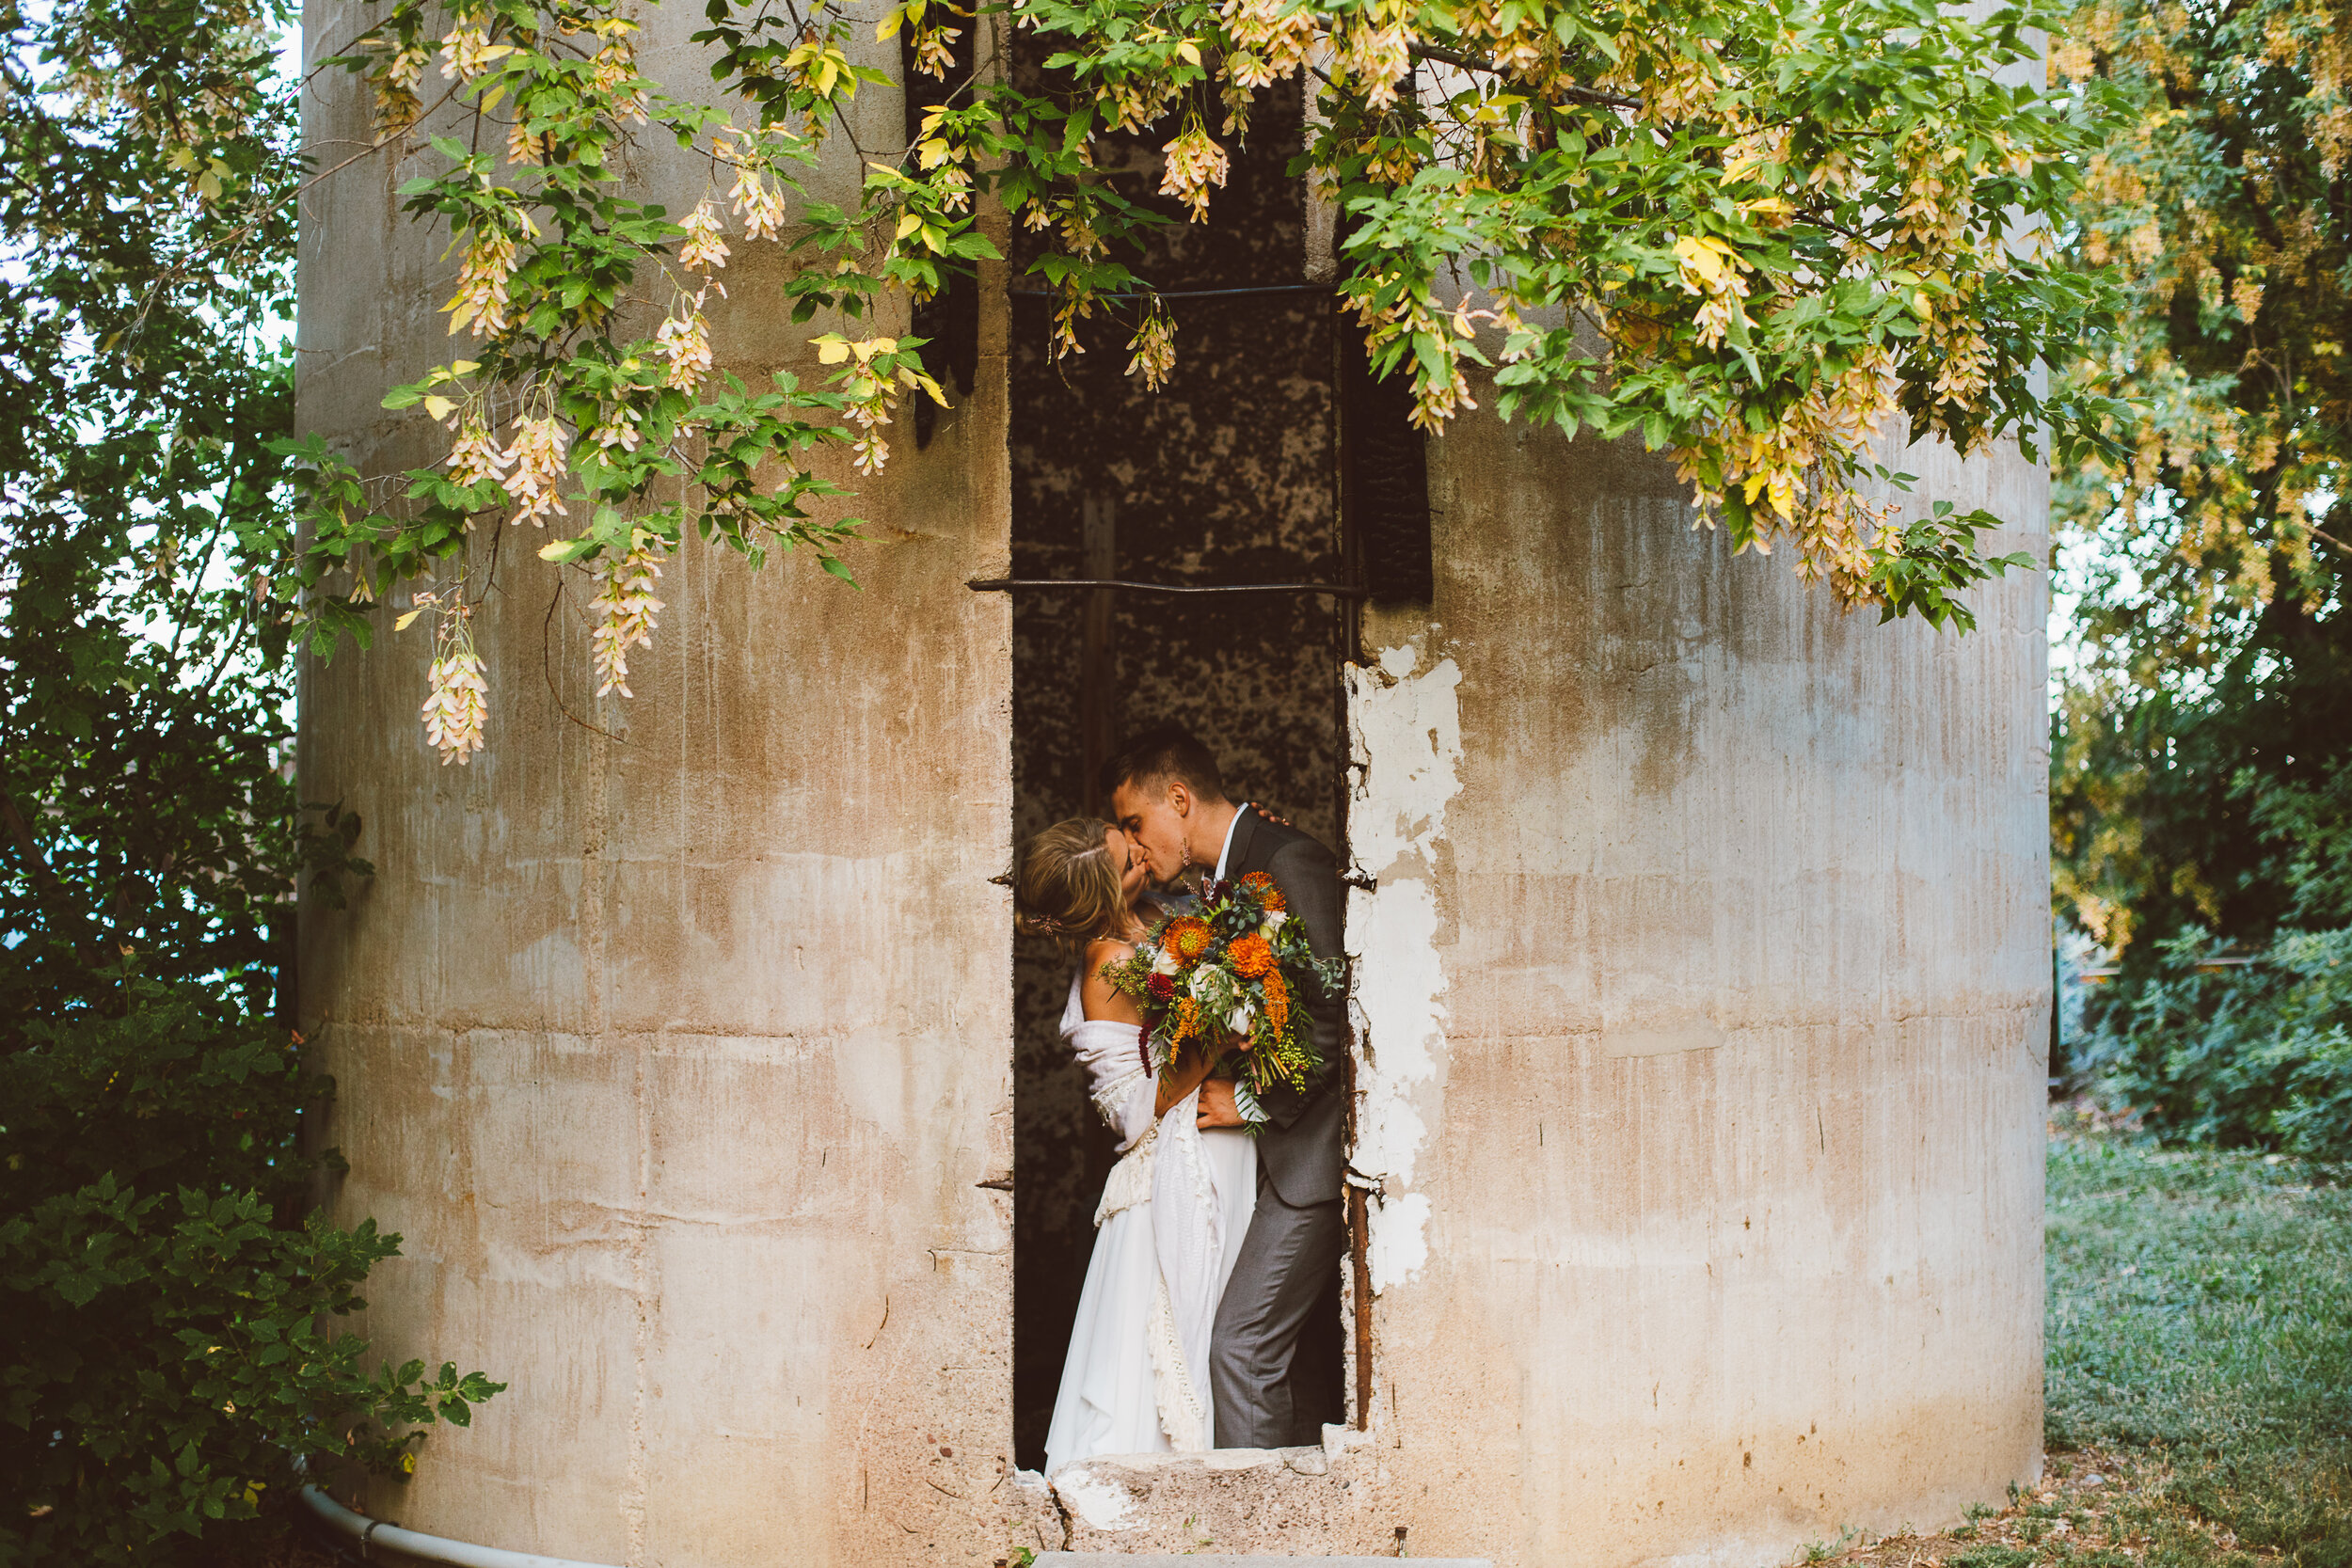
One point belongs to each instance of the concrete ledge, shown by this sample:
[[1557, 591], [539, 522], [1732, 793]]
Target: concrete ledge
[[1287, 1505]]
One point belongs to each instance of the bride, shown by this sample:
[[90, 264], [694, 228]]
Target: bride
[[1178, 1203]]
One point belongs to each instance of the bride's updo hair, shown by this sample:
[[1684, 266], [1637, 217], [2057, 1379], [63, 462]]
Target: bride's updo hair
[[1066, 886]]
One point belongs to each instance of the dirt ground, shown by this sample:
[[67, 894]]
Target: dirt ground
[[2093, 1509]]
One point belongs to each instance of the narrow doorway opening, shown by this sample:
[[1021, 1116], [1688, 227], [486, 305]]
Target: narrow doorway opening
[[1227, 475]]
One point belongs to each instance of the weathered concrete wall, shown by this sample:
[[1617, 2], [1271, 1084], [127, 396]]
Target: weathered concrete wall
[[678, 1055], [1704, 1055]]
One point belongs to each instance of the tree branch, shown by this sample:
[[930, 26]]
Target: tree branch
[[1574, 95]]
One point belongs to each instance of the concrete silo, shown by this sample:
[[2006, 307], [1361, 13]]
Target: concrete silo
[[1702, 972]]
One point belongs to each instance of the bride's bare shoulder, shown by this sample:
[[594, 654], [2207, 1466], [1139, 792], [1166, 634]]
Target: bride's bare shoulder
[[1101, 998]]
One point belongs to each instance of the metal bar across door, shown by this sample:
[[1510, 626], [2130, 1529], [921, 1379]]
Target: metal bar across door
[[1006, 585]]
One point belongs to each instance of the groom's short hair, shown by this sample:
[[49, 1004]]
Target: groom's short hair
[[1156, 759]]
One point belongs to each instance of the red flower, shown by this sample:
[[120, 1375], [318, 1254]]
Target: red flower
[[1143, 1045], [1163, 989]]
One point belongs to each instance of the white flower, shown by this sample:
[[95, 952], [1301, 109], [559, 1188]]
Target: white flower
[[759, 204], [537, 456], [474, 456], [613, 73], [1242, 1019], [405, 72], [1195, 165], [623, 607], [618, 427], [1162, 961], [1379, 58], [1272, 923], [525, 149], [1154, 349], [458, 708], [466, 52], [395, 87], [934, 51], [459, 704], [705, 246], [481, 296], [685, 341]]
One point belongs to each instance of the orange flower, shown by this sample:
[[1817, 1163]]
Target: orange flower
[[1187, 937], [1187, 1019], [1269, 892], [1278, 1001], [1252, 955]]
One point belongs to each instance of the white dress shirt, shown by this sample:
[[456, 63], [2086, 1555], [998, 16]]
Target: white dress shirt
[[1225, 851]]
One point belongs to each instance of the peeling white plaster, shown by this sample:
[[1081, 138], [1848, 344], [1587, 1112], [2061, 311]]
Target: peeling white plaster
[[1101, 1502], [1405, 738], [1399, 1243]]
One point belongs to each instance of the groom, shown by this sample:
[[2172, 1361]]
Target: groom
[[1165, 791]]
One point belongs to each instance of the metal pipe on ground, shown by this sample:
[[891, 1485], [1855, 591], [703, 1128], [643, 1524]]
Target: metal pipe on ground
[[425, 1548]]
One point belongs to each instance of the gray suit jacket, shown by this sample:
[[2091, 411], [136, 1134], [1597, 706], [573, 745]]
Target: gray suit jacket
[[1300, 1149]]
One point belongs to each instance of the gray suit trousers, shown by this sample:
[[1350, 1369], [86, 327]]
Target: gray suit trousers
[[1285, 1261]]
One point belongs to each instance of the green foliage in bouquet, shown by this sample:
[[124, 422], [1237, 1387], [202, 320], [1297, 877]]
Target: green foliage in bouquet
[[1234, 979]]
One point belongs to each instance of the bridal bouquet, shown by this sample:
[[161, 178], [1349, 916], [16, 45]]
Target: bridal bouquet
[[1229, 980]]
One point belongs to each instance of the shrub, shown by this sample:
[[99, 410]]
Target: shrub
[[2246, 1056], [169, 1318]]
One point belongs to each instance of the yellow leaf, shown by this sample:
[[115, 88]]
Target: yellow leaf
[[549, 551], [931, 153], [909, 222], [402, 624], [831, 349], [440, 408], [1188, 50], [464, 366], [888, 26]]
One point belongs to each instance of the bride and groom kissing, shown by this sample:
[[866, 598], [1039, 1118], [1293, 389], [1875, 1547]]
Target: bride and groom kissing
[[1213, 1245]]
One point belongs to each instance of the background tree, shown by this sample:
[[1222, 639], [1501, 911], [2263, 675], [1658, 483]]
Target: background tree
[[2201, 755], [168, 1314]]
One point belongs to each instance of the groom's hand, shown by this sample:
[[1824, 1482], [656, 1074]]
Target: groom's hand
[[1216, 1105]]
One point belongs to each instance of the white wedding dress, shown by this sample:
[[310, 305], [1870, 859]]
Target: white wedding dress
[[1167, 1233]]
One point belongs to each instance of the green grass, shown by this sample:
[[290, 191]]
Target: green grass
[[2201, 1308]]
